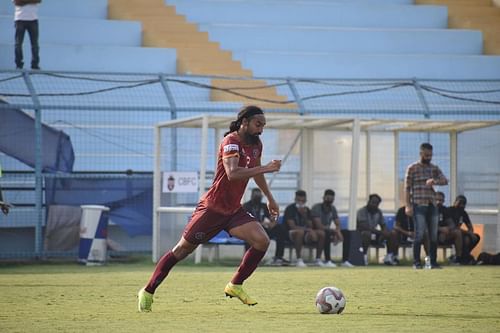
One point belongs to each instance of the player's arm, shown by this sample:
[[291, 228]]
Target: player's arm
[[309, 219], [235, 172], [439, 178], [381, 221], [291, 224], [468, 223], [316, 220], [400, 215], [261, 182]]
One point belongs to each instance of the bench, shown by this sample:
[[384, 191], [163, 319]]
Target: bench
[[222, 238], [390, 221]]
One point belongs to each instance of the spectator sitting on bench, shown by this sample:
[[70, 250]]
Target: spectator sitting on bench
[[275, 231], [405, 229], [459, 216], [299, 223], [448, 232], [324, 213], [367, 220]]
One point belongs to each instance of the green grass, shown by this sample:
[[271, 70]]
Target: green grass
[[72, 298]]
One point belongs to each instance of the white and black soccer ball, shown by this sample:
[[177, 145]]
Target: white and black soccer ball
[[330, 300]]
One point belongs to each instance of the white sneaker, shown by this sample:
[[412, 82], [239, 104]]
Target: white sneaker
[[320, 263], [300, 263], [347, 264], [330, 263], [388, 259]]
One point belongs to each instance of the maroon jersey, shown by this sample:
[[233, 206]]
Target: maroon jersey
[[224, 196]]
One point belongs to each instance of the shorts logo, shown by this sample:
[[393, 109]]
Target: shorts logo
[[231, 147], [199, 236]]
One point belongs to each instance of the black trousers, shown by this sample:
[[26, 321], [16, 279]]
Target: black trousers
[[32, 28], [280, 234], [345, 244]]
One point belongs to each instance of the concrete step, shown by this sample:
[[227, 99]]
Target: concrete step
[[203, 69], [256, 90], [152, 35], [162, 26], [353, 40], [79, 31], [102, 58], [473, 11], [333, 13]]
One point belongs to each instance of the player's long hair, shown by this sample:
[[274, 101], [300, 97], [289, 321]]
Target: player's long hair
[[247, 112]]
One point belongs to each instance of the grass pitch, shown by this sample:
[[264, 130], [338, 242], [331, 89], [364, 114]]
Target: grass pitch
[[72, 298]]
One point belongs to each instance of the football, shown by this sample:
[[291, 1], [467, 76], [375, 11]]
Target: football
[[330, 300]]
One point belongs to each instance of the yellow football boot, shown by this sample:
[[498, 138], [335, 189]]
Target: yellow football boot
[[145, 301], [236, 290]]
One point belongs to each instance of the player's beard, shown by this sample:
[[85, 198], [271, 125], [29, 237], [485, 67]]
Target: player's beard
[[252, 138]]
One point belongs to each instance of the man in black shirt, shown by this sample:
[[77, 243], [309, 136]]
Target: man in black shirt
[[448, 232], [299, 222], [405, 228], [459, 216], [275, 231]]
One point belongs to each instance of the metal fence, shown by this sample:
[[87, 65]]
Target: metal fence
[[110, 119]]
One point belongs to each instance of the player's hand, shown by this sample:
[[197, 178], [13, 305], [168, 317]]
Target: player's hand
[[340, 237], [274, 165], [409, 211], [430, 182], [274, 210]]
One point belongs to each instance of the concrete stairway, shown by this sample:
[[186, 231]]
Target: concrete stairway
[[196, 54], [474, 14]]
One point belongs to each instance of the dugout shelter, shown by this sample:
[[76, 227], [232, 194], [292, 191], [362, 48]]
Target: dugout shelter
[[306, 126]]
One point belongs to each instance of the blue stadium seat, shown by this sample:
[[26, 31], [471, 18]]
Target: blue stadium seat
[[344, 222], [243, 38], [343, 39], [101, 58], [390, 220], [382, 66], [223, 238], [79, 31], [339, 14]]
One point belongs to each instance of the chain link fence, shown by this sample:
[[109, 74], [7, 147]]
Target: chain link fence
[[109, 119]]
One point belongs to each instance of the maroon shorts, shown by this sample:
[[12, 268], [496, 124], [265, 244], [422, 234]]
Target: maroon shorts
[[206, 223]]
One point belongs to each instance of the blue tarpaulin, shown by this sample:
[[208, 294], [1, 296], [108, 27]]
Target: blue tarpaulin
[[17, 139]]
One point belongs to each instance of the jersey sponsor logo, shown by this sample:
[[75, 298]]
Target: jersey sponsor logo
[[231, 147]]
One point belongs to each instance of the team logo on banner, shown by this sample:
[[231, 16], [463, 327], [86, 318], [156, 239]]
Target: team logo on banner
[[180, 182]]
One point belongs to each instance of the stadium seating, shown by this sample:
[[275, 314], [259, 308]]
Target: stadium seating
[[90, 42], [196, 54], [358, 14], [340, 39]]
